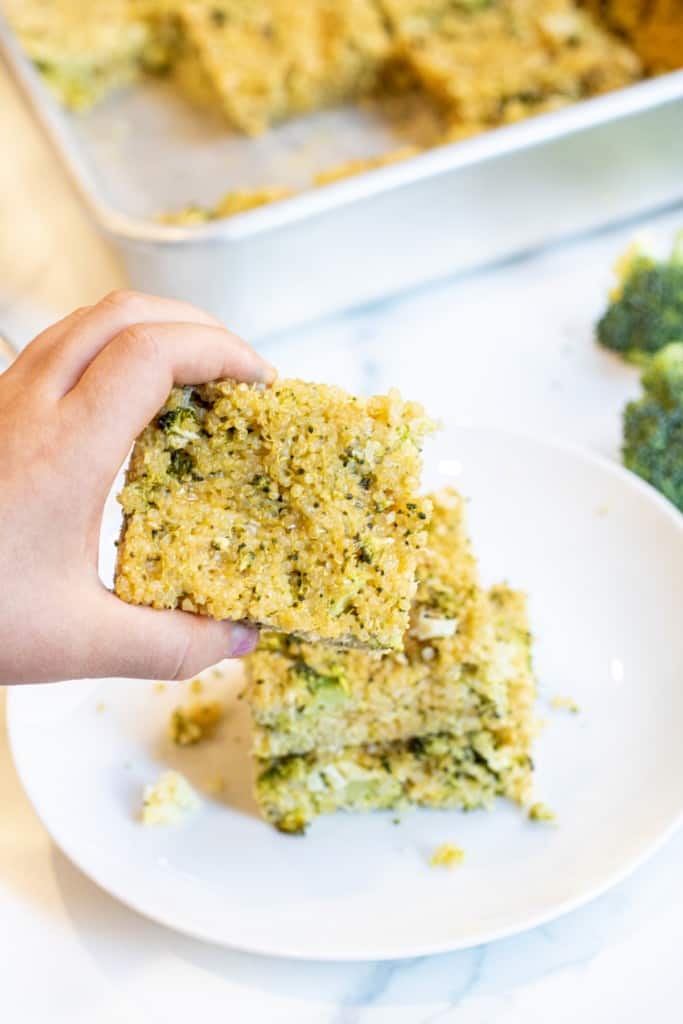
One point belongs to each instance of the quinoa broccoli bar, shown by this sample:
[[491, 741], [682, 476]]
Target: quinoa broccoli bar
[[448, 722], [492, 63], [83, 50], [307, 696], [266, 60], [653, 27], [293, 507], [488, 756]]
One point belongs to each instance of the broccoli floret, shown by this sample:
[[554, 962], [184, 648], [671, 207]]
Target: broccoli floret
[[181, 464], [653, 425], [646, 312], [182, 423], [663, 376]]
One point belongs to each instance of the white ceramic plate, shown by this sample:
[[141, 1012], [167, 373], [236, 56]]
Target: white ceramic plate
[[602, 556]]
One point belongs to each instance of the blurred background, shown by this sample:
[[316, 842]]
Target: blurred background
[[461, 255]]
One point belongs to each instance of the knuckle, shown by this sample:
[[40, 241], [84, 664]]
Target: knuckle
[[182, 659], [196, 647], [122, 299], [139, 343], [179, 651]]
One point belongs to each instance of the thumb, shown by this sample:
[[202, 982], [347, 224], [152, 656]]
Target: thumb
[[143, 643]]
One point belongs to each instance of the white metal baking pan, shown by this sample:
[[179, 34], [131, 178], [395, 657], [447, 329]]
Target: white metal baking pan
[[447, 210]]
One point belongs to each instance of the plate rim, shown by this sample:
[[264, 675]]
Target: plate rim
[[486, 935]]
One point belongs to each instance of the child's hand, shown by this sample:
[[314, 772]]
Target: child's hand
[[70, 407]]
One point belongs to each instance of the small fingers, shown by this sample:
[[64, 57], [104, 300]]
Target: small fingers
[[129, 381], [30, 358], [143, 643], [66, 349]]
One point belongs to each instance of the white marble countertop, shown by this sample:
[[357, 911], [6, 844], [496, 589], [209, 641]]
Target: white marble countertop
[[512, 344]]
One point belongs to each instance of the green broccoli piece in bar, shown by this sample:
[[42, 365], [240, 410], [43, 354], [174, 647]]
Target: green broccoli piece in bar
[[646, 309], [181, 423], [180, 463], [653, 425]]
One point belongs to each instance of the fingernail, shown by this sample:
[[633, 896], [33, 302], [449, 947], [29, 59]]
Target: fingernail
[[269, 373], [243, 640]]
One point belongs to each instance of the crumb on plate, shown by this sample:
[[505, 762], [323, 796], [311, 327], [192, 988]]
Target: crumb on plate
[[168, 799], [565, 704], [447, 855], [196, 722], [215, 785], [541, 812]]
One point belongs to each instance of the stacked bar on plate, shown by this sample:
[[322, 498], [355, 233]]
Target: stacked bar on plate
[[447, 722]]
